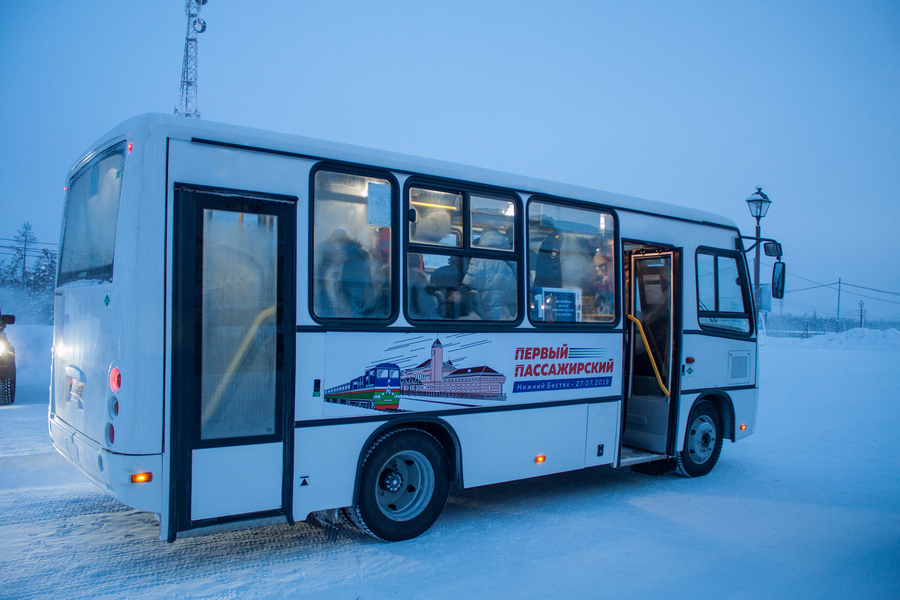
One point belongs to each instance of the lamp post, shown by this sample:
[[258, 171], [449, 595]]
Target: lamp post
[[758, 203]]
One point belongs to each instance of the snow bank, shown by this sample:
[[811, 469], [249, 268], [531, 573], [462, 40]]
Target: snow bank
[[855, 339]]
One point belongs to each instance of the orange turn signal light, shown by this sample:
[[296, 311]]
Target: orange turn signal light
[[540, 458], [141, 477], [743, 427]]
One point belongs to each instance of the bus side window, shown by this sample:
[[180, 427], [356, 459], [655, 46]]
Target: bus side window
[[723, 297], [352, 216], [573, 262], [461, 269]]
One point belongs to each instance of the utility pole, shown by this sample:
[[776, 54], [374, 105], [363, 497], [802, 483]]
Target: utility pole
[[838, 326], [195, 25], [861, 304]]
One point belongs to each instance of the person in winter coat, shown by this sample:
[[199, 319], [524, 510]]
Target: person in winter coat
[[343, 279], [494, 280], [548, 271]]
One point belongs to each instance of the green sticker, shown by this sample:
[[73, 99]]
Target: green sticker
[[106, 300]]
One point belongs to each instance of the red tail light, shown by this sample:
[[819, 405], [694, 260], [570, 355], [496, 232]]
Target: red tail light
[[115, 379], [110, 433]]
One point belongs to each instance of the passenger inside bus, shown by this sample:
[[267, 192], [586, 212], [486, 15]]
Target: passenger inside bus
[[344, 287], [570, 261], [420, 293], [455, 303], [548, 272], [603, 283], [494, 280]]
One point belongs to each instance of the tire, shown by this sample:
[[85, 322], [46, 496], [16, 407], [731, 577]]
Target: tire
[[404, 483], [8, 390], [702, 442]]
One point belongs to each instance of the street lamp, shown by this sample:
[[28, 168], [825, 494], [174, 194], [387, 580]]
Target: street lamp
[[758, 203]]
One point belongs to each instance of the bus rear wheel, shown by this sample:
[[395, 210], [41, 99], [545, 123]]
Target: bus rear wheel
[[404, 484], [703, 442]]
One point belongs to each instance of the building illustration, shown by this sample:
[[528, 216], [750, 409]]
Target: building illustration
[[439, 378]]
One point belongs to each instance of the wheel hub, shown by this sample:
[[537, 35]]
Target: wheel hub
[[391, 480], [405, 485], [702, 440]]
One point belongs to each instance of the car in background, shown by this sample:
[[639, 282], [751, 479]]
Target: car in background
[[7, 363]]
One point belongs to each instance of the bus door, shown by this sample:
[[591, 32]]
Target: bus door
[[233, 335], [652, 309]]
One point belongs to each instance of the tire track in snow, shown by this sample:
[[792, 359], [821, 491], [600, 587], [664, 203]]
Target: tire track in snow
[[76, 542]]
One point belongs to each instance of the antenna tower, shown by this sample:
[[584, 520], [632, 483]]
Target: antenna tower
[[195, 25]]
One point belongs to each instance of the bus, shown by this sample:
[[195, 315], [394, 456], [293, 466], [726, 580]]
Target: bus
[[255, 328]]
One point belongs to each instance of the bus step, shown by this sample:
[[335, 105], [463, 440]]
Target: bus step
[[327, 520], [633, 456], [656, 467]]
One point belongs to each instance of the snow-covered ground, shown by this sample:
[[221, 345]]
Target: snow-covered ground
[[808, 507]]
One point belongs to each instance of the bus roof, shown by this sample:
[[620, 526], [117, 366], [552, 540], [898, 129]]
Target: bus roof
[[233, 135]]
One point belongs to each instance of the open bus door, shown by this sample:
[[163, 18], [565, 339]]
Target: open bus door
[[233, 335], [652, 351]]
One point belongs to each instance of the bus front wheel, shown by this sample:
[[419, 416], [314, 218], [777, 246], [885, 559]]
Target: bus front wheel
[[404, 484], [703, 441]]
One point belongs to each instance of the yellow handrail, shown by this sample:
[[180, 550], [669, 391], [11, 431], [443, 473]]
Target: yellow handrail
[[650, 354]]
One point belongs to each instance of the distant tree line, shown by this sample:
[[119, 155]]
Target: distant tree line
[[27, 278], [811, 324]]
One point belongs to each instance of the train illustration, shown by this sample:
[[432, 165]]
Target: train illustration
[[378, 388]]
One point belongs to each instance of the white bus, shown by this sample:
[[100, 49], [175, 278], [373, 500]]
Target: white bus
[[253, 328]]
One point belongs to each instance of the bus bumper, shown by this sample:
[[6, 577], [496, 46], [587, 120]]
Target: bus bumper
[[111, 472]]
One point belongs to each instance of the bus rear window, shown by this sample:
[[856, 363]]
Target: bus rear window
[[92, 211]]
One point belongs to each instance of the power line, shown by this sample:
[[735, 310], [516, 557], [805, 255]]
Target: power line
[[870, 297], [873, 289], [30, 242], [815, 287], [29, 251], [829, 286]]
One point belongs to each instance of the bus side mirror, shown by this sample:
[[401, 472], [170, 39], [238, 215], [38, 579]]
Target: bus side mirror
[[772, 249], [8, 320], [778, 280]]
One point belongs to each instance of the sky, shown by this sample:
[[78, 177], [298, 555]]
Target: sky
[[692, 103]]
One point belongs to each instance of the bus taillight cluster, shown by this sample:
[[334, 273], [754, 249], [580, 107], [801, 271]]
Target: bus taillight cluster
[[115, 383]]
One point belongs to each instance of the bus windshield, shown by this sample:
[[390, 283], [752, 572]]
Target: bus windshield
[[92, 210]]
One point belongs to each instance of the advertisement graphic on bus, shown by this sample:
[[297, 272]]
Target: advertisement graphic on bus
[[463, 371]]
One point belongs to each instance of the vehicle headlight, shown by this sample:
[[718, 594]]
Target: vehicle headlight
[[4, 347]]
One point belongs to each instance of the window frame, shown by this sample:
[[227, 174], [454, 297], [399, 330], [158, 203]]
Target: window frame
[[354, 323], [746, 295], [466, 250], [617, 256], [66, 277]]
